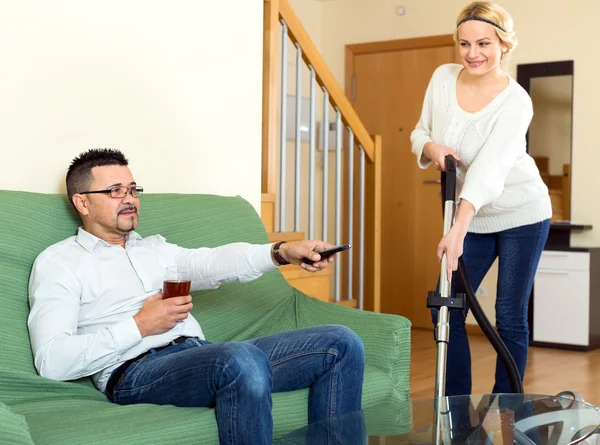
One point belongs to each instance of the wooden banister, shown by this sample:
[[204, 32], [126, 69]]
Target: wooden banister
[[311, 57], [269, 95], [274, 11]]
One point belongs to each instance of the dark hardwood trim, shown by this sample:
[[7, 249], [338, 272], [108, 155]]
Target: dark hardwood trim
[[540, 344], [526, 71], [402, 44]]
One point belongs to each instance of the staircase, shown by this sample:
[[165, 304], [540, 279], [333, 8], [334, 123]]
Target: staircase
[[559, 188], [317, 285], [352, 214]]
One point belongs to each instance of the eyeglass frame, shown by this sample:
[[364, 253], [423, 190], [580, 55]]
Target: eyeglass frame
[[134, 190]]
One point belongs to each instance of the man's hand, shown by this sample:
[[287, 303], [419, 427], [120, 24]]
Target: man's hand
[[295, 251], [437, 153], [158, 316]]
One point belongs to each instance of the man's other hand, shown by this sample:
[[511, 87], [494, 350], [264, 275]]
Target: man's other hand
[[158, 316]]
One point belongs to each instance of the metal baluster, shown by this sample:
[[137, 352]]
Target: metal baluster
[[350, 206], [282, 154], [361, 230], [311, 156], [299, 65], [325, 159], [338, 199]]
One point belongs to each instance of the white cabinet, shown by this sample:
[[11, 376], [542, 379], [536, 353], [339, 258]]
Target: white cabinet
[[562, 300]]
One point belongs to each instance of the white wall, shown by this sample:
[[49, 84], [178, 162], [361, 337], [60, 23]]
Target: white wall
[[175, 85]]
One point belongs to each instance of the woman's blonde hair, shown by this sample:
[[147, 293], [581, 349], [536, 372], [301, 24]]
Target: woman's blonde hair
[[495, 15]]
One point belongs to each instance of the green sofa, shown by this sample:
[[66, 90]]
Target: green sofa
[[41, 411]]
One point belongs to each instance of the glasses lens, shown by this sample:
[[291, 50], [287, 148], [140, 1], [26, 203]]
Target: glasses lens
[[117, 192], [121, 191]]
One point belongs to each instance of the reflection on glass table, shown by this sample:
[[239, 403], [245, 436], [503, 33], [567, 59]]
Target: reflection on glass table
[[472, 420]]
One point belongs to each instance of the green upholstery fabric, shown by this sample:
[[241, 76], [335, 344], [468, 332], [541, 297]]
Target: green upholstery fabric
[[13, 428], [73, 413]]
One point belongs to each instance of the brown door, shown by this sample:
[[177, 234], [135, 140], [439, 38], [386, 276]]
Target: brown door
[[388, 91]]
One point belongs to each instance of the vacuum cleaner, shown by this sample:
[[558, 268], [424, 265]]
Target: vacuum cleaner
[[444, 302]]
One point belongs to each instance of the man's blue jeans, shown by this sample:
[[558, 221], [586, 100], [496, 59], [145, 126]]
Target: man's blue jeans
[[518, 251], [237, 379]]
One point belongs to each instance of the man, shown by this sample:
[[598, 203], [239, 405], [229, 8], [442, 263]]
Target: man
[[97, 309]]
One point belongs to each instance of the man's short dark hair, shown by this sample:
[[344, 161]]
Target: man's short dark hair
[[79, 174]]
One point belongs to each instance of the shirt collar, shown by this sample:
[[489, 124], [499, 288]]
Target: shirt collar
[[89, 241]]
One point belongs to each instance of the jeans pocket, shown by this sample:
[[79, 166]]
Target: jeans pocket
[[125, 381]]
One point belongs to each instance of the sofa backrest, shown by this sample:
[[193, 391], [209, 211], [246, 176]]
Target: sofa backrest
[[30, 222]]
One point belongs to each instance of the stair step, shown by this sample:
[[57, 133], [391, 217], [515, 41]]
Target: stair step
[[557, 205], [543, 163], [286, 236], [555, 182], [313, 284], [316, 285]]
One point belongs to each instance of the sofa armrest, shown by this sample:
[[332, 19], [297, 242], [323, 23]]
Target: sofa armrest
[[386, 337]]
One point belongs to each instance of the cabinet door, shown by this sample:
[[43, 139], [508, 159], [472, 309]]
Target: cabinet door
[[561, 307]]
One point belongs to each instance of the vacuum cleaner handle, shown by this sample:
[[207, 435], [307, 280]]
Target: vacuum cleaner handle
[[449, 179]]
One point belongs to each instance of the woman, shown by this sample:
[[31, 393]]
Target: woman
[[477, 113]]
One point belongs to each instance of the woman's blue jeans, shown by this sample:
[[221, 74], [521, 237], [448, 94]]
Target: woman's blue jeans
[[518, 251]]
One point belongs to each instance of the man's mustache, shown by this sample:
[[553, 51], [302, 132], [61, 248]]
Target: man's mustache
[[128, 209]]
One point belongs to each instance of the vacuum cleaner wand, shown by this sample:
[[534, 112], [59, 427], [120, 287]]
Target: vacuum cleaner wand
[[444, 301]]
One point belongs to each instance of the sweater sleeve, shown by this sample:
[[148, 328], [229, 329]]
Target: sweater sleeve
[[422, 132], [484, 181]]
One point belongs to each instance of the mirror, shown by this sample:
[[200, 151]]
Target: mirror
[[549, 140]]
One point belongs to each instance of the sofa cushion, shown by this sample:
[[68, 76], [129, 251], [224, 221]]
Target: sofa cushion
[[75, 412], [64, 413], [13, 428]]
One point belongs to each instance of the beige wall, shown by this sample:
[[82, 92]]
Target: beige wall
[[166, 82]]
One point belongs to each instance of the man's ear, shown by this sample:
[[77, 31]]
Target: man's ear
[[81, 204]]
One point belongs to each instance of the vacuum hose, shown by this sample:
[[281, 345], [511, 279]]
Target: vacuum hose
[[489, 331]]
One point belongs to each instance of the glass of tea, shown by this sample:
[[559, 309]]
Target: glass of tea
[[178, 281]]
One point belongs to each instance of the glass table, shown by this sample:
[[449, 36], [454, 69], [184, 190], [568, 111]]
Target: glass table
[[477, 419]]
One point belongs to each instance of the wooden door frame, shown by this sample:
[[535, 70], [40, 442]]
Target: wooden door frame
[[353, 50], [357, 49]]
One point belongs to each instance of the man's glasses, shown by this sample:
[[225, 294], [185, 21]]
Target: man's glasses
[[119, 191]]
